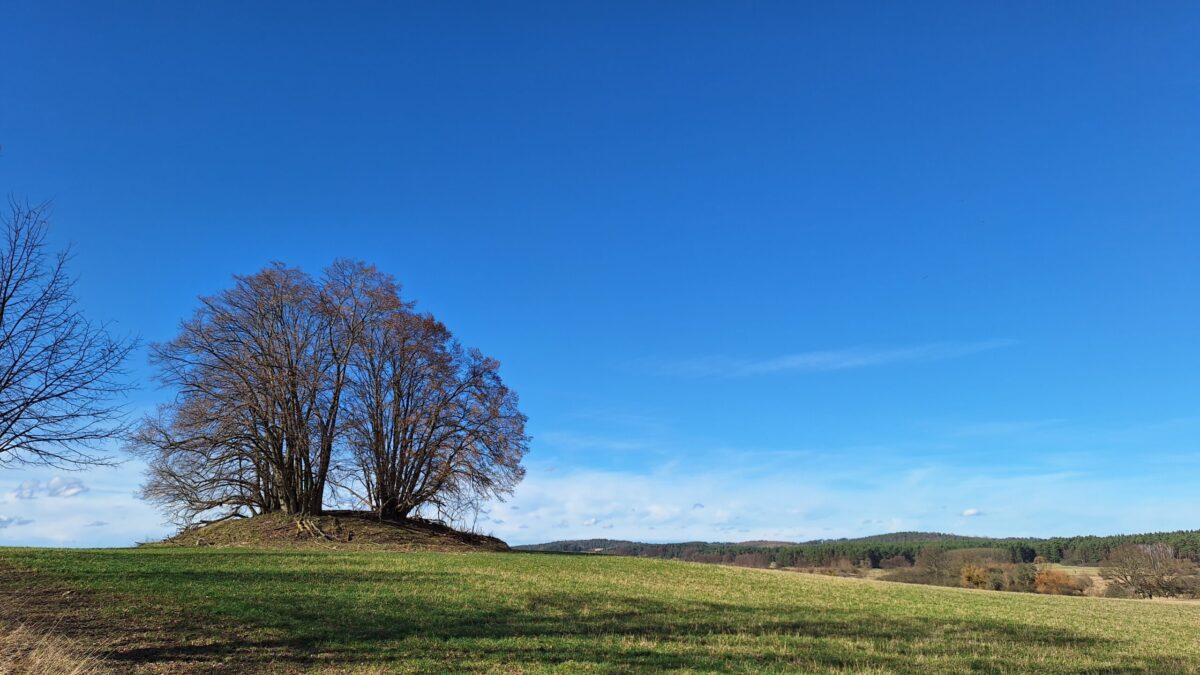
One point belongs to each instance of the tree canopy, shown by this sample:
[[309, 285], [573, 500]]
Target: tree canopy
[[290, 389]]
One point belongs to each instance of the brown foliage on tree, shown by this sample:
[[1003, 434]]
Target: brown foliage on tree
[[1054, 582], [60, 374], [973, 576]]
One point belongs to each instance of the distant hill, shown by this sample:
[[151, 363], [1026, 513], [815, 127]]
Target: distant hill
[[873, 550], [596, 545], [914, 536], [578, 545]]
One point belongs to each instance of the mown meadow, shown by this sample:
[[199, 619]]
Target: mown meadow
[[214, 609]]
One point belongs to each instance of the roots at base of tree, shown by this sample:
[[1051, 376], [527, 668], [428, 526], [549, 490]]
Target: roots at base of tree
[[306, 528]]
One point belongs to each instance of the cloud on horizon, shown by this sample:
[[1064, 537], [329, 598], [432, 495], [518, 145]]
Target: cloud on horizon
[[62, 510], [831, 360], [841, 497]]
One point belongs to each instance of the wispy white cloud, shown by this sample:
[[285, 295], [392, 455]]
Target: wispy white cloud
[[8, 521], [57, 486], [55, 510], [838, 498], [27, 489], [830, 360], [65, 487]]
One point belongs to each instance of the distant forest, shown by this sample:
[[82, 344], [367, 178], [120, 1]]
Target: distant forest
[[871, 551]]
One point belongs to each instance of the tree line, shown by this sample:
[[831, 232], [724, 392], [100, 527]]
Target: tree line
[[874, 551]]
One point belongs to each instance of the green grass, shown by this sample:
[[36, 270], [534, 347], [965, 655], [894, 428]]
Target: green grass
[[292, 610]]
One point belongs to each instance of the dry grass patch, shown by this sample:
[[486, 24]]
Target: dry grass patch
[[28, 650]]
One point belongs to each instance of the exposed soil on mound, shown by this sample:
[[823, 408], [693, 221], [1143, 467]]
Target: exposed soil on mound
[[342, 530]]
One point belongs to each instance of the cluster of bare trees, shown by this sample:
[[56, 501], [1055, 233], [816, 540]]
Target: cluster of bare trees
[[1150, 571], [290, 388]]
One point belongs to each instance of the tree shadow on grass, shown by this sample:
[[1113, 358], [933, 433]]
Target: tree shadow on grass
[[621, 631], [271, 619]]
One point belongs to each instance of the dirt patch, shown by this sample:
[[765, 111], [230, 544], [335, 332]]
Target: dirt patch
[[336, 530], [77, 632], [86, 637]]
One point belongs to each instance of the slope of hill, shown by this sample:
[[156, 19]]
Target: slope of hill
[[157, 610], [342, 530]]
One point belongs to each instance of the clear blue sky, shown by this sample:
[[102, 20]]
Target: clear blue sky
[[757, 270]]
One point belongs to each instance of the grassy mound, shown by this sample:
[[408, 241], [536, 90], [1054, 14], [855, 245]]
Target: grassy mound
[[238, 610], [341, 530]]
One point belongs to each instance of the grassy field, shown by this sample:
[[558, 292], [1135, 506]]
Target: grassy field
[[208, 609]]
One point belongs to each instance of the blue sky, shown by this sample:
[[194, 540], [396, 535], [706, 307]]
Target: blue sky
[[757, 270]]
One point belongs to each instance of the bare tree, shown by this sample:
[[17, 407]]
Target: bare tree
[[431, 424], [1149, 570], [936, 564], [61, 375], [255, 370]]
